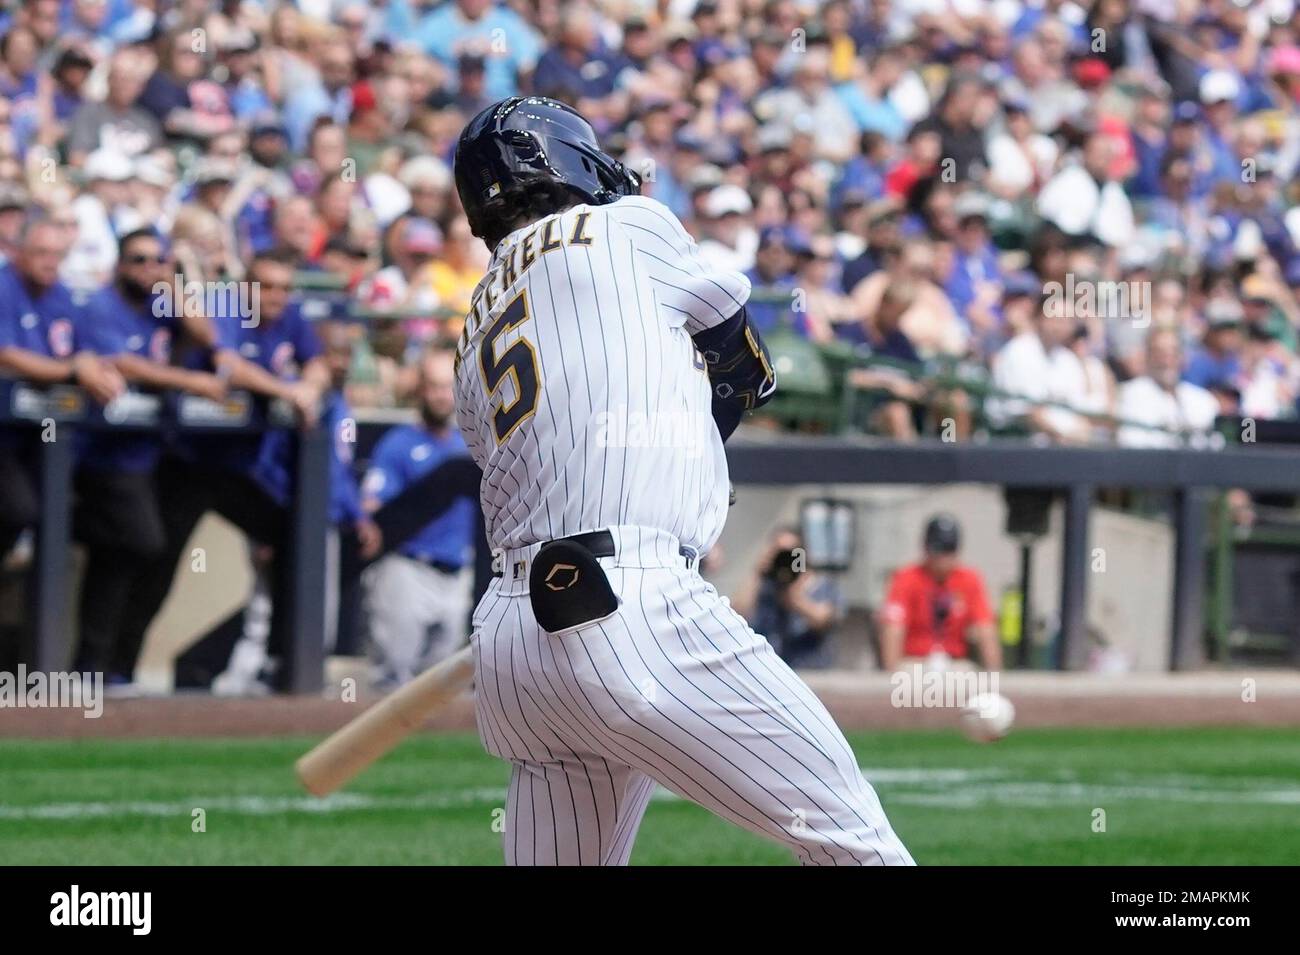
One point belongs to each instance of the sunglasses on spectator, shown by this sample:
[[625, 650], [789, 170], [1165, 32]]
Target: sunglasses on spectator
[[140, 259]]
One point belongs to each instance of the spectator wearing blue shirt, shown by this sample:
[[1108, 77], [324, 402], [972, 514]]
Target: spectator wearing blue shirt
[[350, 526], [975, 283], [117, 514], [493, 31], [576, 69], [867, 98], [40, 343], [773, 274], [266, 346], [418, 597], [1219, 357]]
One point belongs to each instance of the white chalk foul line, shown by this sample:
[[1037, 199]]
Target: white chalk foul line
[[952, 788]]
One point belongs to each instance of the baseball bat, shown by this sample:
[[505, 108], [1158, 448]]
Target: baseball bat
[[368, 736]]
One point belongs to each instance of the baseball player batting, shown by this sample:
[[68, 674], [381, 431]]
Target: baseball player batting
[[604, 663]]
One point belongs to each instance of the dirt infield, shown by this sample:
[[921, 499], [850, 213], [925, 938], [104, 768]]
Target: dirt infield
[[858, 702]]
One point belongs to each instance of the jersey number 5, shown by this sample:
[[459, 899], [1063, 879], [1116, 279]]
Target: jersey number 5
[[518, 363]]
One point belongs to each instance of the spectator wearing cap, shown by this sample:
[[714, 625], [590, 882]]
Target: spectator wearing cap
[[406, 285], [419, 596], [1219, 356], [974, 285], [1041, 378], [1083, 199], [1219, 90], [1020, 159], [934, 608], [511, 46], [89, 263], [809, 104], [729, 241], [471, 96], [369, 129], [1177, 214], [1175, 412], [117, 123], [237, 56], [772, 278]]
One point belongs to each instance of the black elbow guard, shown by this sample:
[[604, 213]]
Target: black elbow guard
[[740, 369]]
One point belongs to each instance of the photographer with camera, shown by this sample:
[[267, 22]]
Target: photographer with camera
[[935, 606], [795, 607]]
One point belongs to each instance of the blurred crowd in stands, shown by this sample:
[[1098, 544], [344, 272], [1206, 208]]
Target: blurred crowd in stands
[[1067, 219], [911, 178]]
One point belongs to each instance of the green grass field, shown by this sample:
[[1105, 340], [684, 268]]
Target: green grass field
[[1224, 796]]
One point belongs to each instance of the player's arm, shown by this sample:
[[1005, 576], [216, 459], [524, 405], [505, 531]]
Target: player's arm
[[84, 368], [139, 370], [739, 367], [238, 372], [709, 303]]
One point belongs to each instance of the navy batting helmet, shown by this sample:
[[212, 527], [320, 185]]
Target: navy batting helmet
[[527, 138]]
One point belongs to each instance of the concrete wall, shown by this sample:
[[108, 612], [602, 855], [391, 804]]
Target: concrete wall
[[1129, 587]]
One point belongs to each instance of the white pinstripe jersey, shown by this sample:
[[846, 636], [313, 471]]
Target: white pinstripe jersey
[[578, 388]]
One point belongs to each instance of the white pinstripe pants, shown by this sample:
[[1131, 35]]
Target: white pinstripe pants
[[675, 688]]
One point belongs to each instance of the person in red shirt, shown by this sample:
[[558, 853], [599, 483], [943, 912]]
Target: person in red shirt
[[934, 606]]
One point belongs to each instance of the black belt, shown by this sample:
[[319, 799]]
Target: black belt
[[600, 543]]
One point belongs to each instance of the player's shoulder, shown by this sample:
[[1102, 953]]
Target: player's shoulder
[[647, 213]]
